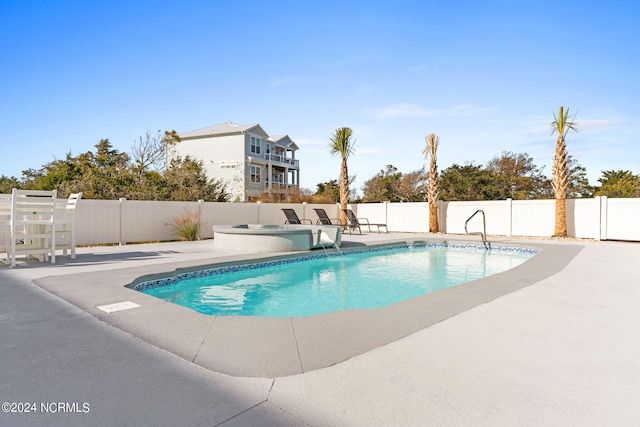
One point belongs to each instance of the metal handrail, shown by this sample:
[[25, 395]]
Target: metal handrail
[[483, 235]]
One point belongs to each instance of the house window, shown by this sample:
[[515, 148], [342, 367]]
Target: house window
[[255, 145], [256, 172]]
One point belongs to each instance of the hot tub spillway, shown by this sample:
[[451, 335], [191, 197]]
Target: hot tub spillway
[[276, 238]]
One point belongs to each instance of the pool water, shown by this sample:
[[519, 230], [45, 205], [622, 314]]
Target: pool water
[[321, 284]]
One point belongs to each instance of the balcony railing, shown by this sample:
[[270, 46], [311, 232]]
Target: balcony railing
[[282, 159], [280, 186]]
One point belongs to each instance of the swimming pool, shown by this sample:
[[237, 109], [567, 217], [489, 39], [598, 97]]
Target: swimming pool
[[316, 284]]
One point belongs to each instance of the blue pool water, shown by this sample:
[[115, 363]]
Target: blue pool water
[[318, 284]]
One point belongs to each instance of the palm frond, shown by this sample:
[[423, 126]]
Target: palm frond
[[341, 142], [432, 145], [563, 123]]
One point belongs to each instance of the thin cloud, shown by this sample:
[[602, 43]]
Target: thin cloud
[[368, 150], [401, 110], [598, 125], [310, 142], [414, 110], [313, 145], [280, 81], [419, 68], [468, 110]]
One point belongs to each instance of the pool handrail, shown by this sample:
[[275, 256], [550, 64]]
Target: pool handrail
[[482, 234]]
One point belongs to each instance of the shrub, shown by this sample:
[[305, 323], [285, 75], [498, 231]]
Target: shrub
[[188, 225]]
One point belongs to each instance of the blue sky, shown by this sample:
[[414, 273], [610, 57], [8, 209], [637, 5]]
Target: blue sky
[[486, 76]]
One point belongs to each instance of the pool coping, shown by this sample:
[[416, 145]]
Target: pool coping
[[269, 347]]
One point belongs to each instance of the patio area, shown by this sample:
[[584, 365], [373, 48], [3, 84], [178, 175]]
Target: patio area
[[554, 345]]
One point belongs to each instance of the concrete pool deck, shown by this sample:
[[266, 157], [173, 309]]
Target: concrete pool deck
[[269, 347], [556, 342]]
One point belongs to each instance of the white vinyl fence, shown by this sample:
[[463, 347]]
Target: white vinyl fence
[[128, 221]]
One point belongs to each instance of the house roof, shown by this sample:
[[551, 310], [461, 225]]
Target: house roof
[[227, 128], [283, 141]]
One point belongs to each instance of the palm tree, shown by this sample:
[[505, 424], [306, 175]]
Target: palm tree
[[561, 124], [432, 190], [342, 144]]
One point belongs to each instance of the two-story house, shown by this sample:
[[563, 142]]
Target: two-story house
[[245, 157]]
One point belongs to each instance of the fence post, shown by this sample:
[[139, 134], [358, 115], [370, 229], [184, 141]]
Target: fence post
[[602, 227], [258, 204], [442, 217], [386, 212], [122, 238], [200, 204], [510, 213]]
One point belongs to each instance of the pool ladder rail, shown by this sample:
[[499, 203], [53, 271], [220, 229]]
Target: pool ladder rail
[[483, 234]]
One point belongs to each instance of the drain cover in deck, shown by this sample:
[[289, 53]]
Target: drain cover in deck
[[119, 306]]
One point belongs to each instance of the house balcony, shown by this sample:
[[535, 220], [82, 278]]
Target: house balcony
[[278, 186], [279, 160], [275, 160]]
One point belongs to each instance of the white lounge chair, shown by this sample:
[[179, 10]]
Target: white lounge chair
[[5, 221], [32, 226], [66, 226]]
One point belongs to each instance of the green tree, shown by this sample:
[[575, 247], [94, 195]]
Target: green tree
[[54, 175], [470, 182], [383, 186], [392, 185], [518, 177], [579, 187], [562, 124], [7, 184], [186, 180], [100, 175], [413, 186], [619, 184], [342, 144], [106, 174], [330, 189]]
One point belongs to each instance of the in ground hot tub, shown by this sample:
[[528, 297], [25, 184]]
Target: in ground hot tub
[[276, 238]]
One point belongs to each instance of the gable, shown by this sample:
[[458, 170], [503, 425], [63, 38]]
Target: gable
[[283, 141]]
